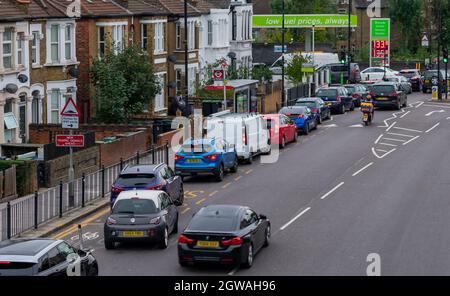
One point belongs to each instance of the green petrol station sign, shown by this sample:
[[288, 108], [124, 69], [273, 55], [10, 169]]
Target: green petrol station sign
[[380, 39], [304, 21]]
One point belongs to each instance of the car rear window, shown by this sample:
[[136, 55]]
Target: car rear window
[[294, 111], [326, 93], [408, 74], [135, 206], [212, 222], [135, 179], [196, 148], [339, 68], [311, 104], [16, 268], [382, 88]]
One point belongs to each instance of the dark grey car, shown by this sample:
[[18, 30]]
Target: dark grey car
[[45, 257], [141, 216]]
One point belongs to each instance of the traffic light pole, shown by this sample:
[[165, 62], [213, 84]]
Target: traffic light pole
[[283, 97]]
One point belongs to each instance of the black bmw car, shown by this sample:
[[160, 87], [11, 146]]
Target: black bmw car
[[223, 234]]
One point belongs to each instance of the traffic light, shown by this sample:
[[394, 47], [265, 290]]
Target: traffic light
[[342, 57], [445, 54]]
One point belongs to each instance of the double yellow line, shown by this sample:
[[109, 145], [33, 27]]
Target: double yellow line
[[85, 222]]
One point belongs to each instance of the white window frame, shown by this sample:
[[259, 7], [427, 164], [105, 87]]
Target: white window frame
[[144, 37], [53, 43], [35, 50], [158, 37], [178, 82], [100, 42], [191, 35], [160, 97], [178, 36], [61, 60], [192, 79], [68, 41], [20, 49], [210, 34], [58, 107], [9, 55], [118, 37]]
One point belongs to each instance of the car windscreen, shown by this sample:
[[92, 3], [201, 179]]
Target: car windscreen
[[135, 207], [310, 104], [196, 148], [213, 223], [326, 93], [16, 268], [128, 180], [350, 89], [382, 89]]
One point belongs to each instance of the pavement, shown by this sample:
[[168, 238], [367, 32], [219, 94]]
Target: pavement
[[336, 198]]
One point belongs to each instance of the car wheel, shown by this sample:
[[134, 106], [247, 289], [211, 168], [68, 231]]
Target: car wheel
[[352, 107], [267, 238], [306, 129], [175, 227], [165, 241], [342, 111], [319, 120], [329, 114], [283, 143], [249, 260], [424, 90], [234, 168], [399, 106], [109, 244], [181, 198], [220, 174], [405, 103], [295, 136], [93, 271]]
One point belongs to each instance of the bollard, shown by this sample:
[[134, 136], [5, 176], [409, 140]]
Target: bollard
[[83, 183], [36, 197]]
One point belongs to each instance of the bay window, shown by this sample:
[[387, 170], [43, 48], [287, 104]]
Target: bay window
[[210, 32], [35, 48], [144, 36], [20, 48], [160, 97], [55, 105], [178, 35], [54, 43], [68, 42], [158, 44], [101, 41]]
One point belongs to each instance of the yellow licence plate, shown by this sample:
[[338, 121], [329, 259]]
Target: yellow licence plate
[[382, 99], [132, 233], [207, 244], [427, 81], [329, 104], [193, 160]]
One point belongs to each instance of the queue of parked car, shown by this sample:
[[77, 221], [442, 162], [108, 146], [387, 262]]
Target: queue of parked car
[[145, 198]]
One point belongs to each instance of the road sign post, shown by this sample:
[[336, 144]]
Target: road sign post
[[69, 120]]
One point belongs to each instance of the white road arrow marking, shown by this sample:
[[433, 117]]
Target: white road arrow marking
[[330, 125], [356, 125], [432, 112]]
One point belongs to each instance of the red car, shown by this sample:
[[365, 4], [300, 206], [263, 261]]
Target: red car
[[281, 128]]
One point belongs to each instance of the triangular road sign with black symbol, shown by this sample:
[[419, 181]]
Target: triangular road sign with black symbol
[[70, 109]]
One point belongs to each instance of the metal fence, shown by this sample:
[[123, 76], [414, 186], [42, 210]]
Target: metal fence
[[300, 91], [30, 211]]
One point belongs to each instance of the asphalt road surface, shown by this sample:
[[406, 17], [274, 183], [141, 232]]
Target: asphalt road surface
[[339, 196]]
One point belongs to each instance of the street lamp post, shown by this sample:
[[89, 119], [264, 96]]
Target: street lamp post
[[283, 97], [186, 54], [349, 39]]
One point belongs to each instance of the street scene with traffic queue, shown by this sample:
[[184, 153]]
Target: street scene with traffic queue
[[204, 137]]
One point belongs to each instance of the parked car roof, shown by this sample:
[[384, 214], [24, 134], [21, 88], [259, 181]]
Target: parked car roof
[[141, 168], [25, 250], [140, 194]]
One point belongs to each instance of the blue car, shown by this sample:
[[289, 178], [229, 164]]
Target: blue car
[[304, 119], [206, 156], [150, 177]]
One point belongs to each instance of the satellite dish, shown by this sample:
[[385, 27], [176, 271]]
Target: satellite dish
[[11, 88], [22, 78], [74, 72], [172, 58]]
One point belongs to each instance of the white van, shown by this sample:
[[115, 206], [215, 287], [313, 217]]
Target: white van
[[247, 132]]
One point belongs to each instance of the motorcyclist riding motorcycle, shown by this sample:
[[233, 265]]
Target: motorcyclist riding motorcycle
[[368, 110]]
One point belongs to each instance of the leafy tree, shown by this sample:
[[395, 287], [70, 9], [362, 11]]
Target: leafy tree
[[294, 69], [262, 73], [124, 82], [407, 14]]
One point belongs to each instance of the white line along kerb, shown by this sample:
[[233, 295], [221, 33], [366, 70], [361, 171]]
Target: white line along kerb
[[295, 218], [362, 169], [332, 190]]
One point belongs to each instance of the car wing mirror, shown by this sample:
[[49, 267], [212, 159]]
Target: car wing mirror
[[263, 217], [177, 203]]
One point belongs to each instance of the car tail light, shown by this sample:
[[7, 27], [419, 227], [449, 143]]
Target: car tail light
[[301, 116], [235, 241], [185, 240], [156, 187], [338, 99], [355, 96], [212, 157], [111, 221], [244, 138], [315, 110], [372, 94], [155, 220], [116, 189], [393, 94], [5, 262], [178, 157]]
